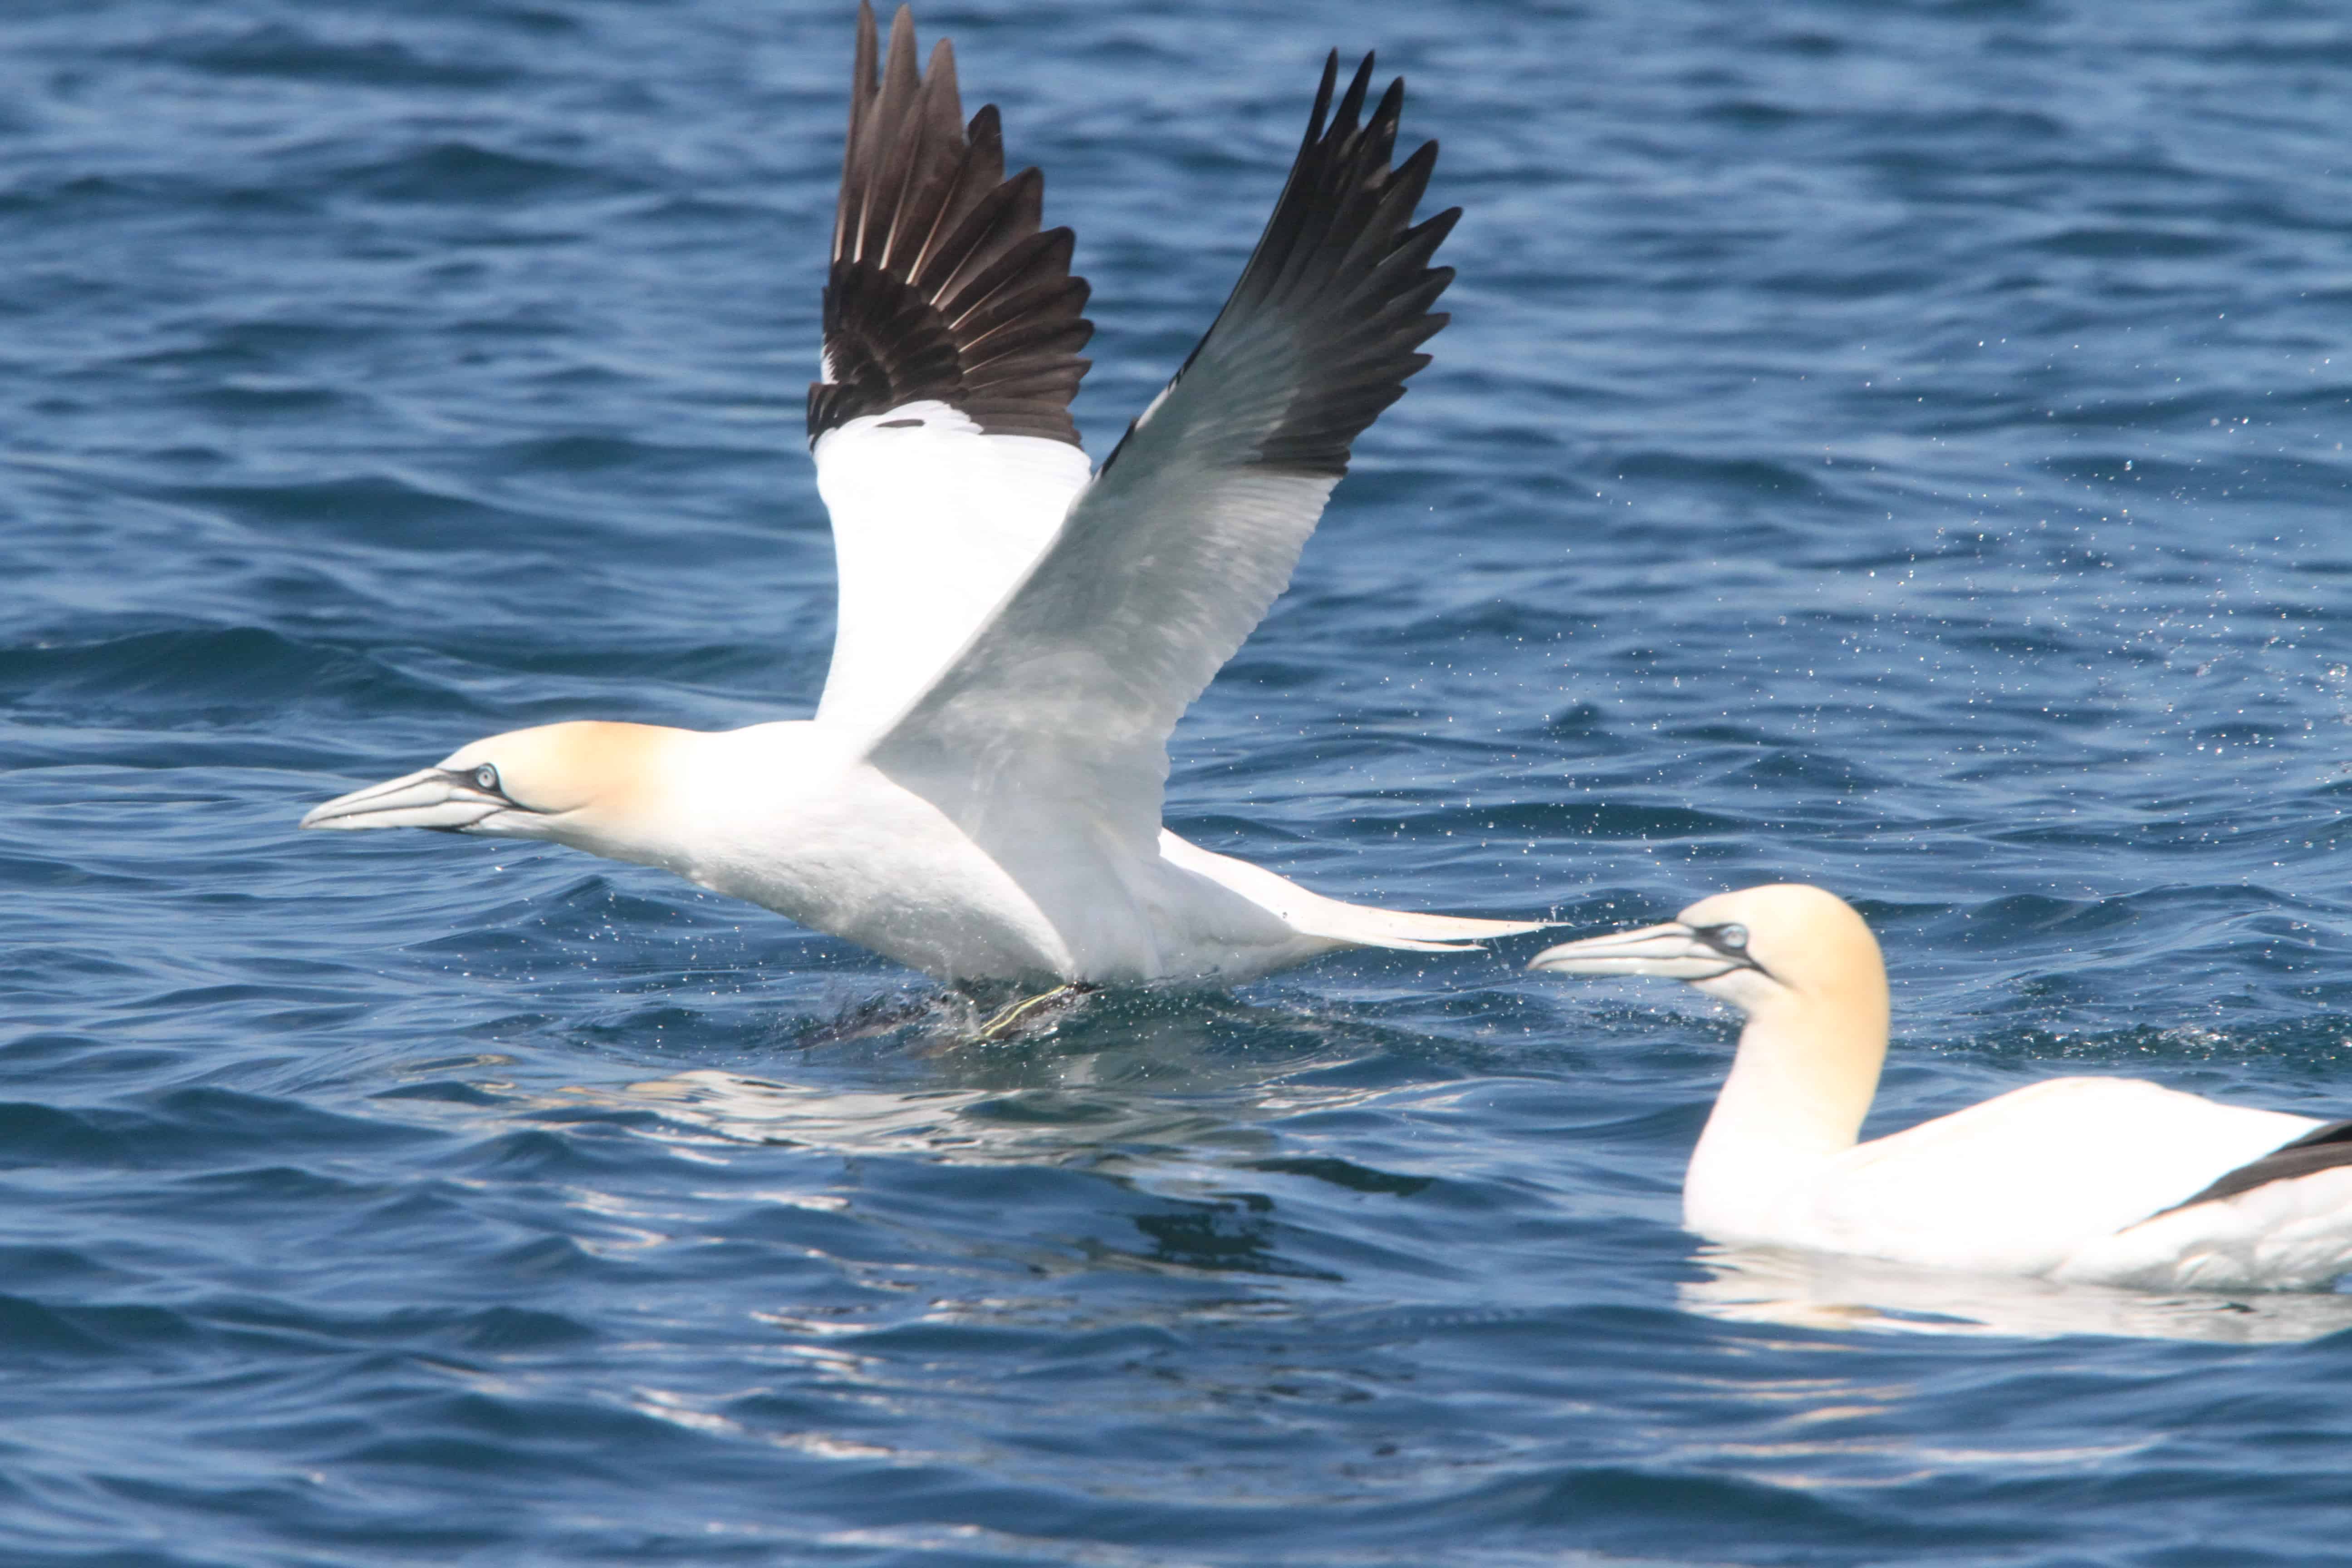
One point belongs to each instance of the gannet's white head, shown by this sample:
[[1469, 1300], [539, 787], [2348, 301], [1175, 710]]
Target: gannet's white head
[[1768, 950], [597, 785], [1805, 969]]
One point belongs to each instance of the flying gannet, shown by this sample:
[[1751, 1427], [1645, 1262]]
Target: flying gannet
[[2112, 1180], [979, 794]]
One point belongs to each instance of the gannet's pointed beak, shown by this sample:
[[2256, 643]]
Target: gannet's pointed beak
[[1671, 951], [449, 799]]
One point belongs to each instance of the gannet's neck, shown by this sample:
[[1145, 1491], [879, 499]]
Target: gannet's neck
[[627, 788], [1803, 1080]]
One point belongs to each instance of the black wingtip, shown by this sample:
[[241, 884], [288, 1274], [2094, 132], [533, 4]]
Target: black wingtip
[[1351, 107], [1323, 99], [2323, 1148], [1341, 269], [933, 247]]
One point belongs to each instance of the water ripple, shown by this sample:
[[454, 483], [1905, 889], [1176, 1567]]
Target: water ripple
[[1899, 448]]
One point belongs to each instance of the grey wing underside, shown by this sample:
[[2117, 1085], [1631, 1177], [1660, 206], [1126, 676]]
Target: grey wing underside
[[1058, 711]]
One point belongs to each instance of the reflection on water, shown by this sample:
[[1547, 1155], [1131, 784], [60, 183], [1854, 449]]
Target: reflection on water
[[1181, 1074], [1823, 1291], [962, 1124], [765, 1110]]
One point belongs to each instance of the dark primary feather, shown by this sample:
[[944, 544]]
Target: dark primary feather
[[943, 284], [2317, 1150], [1332, 310]]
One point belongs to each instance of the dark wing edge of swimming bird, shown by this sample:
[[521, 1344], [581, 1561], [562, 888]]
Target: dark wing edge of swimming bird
[[1179, 547], [942, 284], [2320, 1149]]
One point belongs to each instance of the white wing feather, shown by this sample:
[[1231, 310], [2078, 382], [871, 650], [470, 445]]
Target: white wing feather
[[932, 525]]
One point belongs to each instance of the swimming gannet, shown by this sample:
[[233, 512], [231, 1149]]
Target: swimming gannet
[[2108, 1180], [979, 794]]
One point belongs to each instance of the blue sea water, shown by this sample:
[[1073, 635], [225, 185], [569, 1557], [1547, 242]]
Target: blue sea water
[[1900, 446]]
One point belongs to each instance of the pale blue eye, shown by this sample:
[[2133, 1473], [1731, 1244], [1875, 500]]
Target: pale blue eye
[[485, 778]]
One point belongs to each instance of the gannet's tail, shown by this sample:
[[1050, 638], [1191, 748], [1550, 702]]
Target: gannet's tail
[[1364, 926], [1319, 918]]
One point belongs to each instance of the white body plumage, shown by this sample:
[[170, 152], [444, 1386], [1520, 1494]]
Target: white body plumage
[[796, 818]]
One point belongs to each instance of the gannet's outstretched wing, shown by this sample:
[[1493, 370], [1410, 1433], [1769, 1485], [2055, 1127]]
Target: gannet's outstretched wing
[[1056, 718], [941, 430]]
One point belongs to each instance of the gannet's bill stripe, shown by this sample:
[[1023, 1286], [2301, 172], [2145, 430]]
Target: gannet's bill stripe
[[2320, 1150], [942, 288], [1065, 699]]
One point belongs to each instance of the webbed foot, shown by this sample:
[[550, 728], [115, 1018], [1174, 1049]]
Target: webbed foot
[[1031, 1012]]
